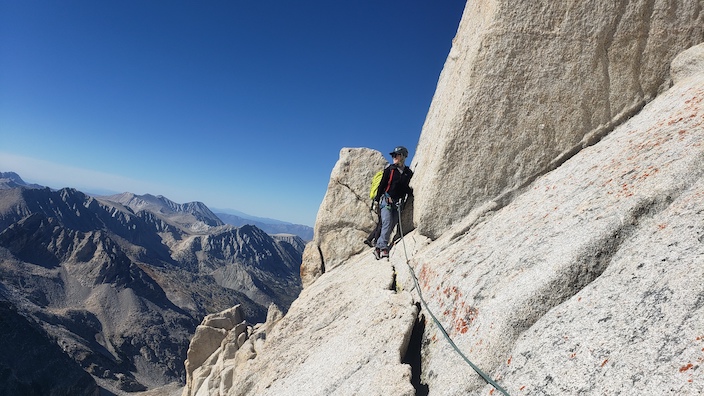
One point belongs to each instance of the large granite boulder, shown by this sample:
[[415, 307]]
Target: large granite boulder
[[527, 84], [344, 219]]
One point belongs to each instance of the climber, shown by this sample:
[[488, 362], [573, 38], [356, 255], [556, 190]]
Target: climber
[[393, 191]]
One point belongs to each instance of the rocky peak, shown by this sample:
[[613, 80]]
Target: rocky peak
[[294, 240], [13, 180], [194, 217], [71, 206]]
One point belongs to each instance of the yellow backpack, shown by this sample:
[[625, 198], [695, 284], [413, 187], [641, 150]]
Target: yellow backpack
[[375, 184]]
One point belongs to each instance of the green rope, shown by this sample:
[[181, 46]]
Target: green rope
[[437, 322]]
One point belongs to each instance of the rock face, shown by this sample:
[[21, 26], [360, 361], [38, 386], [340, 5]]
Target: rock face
[[344, 219], [210, 334], [32, 364], [568, 261], [577, 286], [527, 85]]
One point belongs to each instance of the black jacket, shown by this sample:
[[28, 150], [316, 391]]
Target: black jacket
[[395, 183]]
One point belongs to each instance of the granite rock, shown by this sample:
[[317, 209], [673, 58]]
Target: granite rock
[[526, 85]]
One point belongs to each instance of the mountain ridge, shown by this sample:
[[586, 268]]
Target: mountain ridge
[[12, 180], [209, 217], [273, 228], [122, 283]]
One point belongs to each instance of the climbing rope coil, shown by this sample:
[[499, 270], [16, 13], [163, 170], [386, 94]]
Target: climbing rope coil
[[435, 319]]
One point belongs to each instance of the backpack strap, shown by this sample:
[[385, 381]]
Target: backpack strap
[[391, 177]]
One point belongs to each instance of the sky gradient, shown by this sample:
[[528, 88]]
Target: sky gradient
[[242, 105]]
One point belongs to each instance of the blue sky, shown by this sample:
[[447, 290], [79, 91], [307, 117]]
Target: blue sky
[[239, 104]]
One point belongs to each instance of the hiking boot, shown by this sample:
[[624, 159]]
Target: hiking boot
[[368, 242], [377, 253], [384, 253]]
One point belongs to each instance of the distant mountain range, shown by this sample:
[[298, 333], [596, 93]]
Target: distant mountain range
[[119, 283], [226, 216], [269, 226], [12, 180]]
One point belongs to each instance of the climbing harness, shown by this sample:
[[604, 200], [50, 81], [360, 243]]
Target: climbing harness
[[437, 322]]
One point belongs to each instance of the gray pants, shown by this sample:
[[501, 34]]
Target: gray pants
[[389, 219]]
